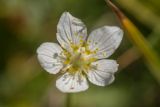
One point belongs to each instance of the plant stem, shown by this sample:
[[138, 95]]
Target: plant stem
[[68, 100]]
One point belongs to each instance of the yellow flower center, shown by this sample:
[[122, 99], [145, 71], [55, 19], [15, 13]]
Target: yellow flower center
[[78, 60]]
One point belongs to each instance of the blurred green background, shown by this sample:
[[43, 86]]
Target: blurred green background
[[25, 24]]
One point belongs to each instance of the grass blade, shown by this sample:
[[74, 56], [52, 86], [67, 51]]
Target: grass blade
[[139, 41]]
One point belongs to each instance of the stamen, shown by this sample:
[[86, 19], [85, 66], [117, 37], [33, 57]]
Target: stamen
[[64, 69]]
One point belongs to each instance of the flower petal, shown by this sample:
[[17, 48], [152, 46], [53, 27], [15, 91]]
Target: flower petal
[[70, 30], [104, 41], [102, 72], [48, 56], [70, 83]]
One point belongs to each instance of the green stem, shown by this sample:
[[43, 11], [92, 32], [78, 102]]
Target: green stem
[[68, 100]]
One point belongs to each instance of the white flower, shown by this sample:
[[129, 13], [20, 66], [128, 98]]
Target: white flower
[[79, 57]]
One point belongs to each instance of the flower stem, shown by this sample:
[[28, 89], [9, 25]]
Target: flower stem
[[68, 100]]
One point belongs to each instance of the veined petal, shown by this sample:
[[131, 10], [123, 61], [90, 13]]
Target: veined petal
[[102, 72], [71, 83], [104, 41], [48, 56], [70, 31]]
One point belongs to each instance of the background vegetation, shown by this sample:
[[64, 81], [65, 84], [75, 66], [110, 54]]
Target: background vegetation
[[25, 24]]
